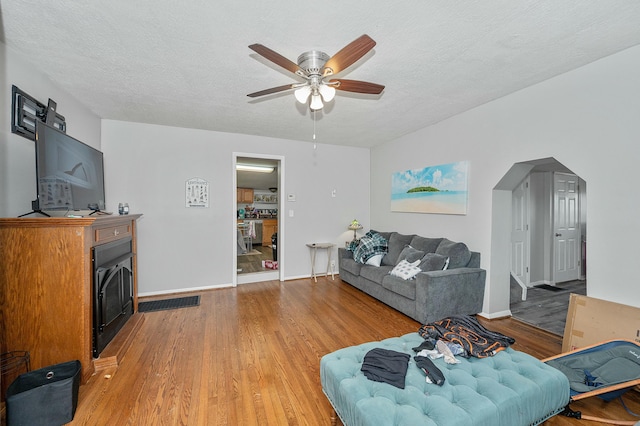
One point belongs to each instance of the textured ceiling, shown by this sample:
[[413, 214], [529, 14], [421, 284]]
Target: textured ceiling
[[187, 63]]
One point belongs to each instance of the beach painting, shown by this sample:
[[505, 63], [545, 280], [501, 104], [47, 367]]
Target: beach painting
[[435, 189]]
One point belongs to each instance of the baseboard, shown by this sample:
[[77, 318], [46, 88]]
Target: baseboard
[[495, 315], [115, 350], [214, 287], [255, 277], [541, 282], [183, 290]]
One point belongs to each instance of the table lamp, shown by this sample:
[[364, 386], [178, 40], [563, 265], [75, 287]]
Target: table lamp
[[354, 226]]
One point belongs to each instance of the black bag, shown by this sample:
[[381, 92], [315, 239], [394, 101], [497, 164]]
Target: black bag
[[48, 396]]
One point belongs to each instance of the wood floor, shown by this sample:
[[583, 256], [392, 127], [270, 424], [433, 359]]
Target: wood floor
[[251, 263], [250, 356], [547, 309]]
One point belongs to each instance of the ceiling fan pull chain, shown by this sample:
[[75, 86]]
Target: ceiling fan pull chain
[[314, 128]]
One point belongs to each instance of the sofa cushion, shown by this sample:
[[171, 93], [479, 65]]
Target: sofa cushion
[[458, 253], [375, 274], [395, 247], [410, 254], [405, 288], [427, 245], [432, 262], [351, 265], [370, 245], [406, 270]]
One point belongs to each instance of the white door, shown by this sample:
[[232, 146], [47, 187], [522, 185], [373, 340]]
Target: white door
[[566, 228], [520, 232]]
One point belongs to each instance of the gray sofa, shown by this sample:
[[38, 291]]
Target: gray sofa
[[432, 294]]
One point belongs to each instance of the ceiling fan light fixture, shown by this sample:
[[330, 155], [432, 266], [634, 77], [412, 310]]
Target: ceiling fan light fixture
[[314, 66], [316, 102], [327, 92], [302, 94]]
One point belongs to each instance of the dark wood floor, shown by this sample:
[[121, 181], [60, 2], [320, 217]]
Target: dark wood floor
[[250, 356], [251, 263], [545, 308]]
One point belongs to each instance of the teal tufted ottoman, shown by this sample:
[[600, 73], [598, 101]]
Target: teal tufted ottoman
[[508, 389]]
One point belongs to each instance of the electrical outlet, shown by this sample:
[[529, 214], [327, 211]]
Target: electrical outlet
[[333, 264]]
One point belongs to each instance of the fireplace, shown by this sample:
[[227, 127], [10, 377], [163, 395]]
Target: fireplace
[[112, 290]]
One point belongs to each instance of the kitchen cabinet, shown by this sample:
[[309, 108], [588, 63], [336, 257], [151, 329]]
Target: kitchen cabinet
[[245, 195], [269, 227]]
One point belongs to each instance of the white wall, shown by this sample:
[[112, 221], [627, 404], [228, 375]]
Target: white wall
[[17, 154], [180, 248], [147, 166], [587, 119]]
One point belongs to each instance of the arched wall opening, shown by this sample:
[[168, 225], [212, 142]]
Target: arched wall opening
[[497, 295]]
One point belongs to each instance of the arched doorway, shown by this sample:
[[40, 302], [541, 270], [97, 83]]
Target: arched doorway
[[538, 231]]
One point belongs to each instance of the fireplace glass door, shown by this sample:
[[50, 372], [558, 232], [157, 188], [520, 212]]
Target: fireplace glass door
[[113, 291]]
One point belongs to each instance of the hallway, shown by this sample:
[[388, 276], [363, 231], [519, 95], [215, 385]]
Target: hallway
[[546, 308]]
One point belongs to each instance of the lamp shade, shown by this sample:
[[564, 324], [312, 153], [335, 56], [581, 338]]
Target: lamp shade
[[354, 226], [327, 92], [316, 102], [302, 94]]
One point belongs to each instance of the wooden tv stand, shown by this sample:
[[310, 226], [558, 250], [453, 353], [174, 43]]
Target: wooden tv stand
[[45, 285]]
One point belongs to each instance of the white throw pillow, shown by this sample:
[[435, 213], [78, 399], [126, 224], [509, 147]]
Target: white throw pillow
[[375, 260], [406, 270], [446, 264]]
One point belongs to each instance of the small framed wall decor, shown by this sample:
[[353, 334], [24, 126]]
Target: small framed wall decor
[[196, 193]]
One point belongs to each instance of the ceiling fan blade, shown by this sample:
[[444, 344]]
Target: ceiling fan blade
[[349, 54], [276, 58], [358, 86], [270, 91]]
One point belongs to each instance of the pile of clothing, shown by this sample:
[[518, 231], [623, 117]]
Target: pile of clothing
[[459, 335]]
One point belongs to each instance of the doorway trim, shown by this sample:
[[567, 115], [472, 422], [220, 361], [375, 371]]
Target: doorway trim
[[520, 233], [566, 228], [248, 278]]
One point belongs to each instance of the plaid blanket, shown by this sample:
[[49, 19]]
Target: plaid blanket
[[371, 244]]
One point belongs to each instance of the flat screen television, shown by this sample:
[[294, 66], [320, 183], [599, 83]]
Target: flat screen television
[[69, 173]]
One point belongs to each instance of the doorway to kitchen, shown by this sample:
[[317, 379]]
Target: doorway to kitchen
[[258, 223]]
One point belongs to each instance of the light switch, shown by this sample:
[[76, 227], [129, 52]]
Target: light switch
[[290, 213], [333, 193]]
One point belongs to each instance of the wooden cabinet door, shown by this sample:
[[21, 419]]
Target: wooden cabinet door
[[245, 195], [269, 227]]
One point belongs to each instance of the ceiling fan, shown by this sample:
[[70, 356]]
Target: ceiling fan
[[316, 68]]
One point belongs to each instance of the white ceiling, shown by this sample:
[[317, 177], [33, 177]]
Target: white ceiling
[[187, 63]]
